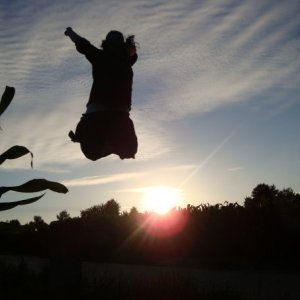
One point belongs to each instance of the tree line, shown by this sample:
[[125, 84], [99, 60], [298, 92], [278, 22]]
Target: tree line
[[262, 232]]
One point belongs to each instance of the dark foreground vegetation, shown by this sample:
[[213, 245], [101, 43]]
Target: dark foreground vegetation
[[17, 282], [264, 232]]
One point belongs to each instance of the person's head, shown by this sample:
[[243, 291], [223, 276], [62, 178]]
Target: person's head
[[116, 42], [114, 38]]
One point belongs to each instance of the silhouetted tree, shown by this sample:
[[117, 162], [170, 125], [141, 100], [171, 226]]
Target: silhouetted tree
[[38, 223], [15, 223], [63, 215], [110, 208], [263, 232], [263, 195]]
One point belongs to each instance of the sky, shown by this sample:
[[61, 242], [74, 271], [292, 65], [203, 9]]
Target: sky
[[215, 100]]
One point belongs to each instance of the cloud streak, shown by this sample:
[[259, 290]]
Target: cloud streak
[[195, 56], [235, 169], [223, 63], [99, 180]]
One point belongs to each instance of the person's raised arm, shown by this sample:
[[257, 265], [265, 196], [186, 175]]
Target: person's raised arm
[[83, 46], [72, 34]]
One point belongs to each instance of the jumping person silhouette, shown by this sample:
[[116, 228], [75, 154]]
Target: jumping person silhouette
[[106, 128]]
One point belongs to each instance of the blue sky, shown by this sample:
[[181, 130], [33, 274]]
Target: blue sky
[[215, 99]]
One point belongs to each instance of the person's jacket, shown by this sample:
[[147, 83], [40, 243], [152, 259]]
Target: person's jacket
[[112, 76]]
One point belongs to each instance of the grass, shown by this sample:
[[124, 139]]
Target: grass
[[18, 282]]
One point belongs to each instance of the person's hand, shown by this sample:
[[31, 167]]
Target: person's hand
[[68, 30], [131, 50]]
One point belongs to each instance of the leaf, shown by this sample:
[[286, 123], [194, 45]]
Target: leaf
[[7, 97], [15, 152], [36, 185], [10, 205]]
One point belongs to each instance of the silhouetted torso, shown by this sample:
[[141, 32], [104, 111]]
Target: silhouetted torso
[[112, 76]]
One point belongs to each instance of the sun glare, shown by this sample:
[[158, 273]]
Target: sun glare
[[161, 199]]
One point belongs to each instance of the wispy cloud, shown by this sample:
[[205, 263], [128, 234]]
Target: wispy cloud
[[111, 178], [235, 169], [195, 56], [99, 180], [218, 54], [180, 168]]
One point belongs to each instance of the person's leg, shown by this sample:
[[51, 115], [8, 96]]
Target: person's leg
[[126, 143], [95, 151], [103, 133]]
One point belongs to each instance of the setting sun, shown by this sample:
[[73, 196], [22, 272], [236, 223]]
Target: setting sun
[[161, 199]]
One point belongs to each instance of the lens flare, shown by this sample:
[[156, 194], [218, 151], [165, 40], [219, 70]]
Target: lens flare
[[161, 199], [163, 219], [166, 225]]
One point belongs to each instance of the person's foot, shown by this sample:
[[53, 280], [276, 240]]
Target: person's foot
[[72, 136]]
